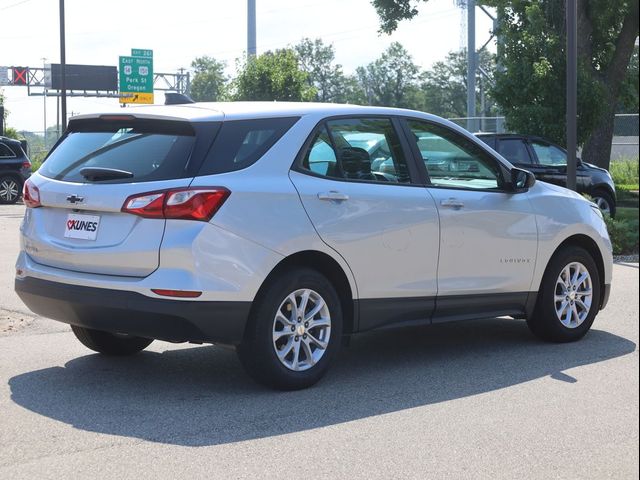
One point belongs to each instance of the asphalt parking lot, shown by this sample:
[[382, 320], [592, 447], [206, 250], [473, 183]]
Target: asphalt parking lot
[[479, 399]]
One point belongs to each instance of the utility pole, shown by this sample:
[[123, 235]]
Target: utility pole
[[44, 67], [572, 89], [471, 65], [251, 28], [63, 72]]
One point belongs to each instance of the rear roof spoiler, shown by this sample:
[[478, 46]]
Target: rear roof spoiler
[[171, 98]]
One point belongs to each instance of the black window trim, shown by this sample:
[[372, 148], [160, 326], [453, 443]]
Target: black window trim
[[414, 176], [417, 159]]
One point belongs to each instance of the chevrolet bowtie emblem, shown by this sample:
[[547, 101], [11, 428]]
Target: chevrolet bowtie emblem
[[75, 199]]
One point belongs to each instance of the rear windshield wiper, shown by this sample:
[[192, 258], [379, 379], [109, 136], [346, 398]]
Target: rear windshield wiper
[[95, 174]]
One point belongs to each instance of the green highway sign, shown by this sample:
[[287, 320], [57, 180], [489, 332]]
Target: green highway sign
[[141, 52], [136, 77]]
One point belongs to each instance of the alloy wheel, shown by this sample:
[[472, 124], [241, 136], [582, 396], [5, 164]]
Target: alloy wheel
[[573, 295], [301, 330], [9, 190]]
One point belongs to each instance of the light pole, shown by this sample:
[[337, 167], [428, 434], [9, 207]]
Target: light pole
[[572, 89], [44, 67], [251, 28]]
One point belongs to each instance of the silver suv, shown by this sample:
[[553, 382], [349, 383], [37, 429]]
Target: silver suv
[[267, 226]]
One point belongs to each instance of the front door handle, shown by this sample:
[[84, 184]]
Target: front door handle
[[452, 203], [333, 195]]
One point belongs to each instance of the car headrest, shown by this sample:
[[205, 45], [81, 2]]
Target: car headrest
[[355, 161]]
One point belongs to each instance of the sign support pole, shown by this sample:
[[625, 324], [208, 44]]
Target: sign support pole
[[63, 62]]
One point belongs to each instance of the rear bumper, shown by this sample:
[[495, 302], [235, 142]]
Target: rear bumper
[[133, 313]]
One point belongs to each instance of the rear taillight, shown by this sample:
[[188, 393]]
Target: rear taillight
[[199, 203], [31, 195], [26, 164]]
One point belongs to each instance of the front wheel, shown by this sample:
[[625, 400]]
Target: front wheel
[[569, 297], [294, 331], [110, 343], [605, 203]]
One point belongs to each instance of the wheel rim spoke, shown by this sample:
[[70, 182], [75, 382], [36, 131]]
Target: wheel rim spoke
[[299, 338], [320, 344], [314, 311]]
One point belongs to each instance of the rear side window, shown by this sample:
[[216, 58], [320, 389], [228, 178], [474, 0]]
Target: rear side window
[[6, 152], [240, 143], [149, 151]]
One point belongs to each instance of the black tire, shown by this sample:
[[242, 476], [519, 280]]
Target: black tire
[[544, 322], [10, 189], [110, 343], [605, 197], [257, 352]]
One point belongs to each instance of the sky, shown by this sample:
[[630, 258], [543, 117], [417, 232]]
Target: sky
[[97, 32]]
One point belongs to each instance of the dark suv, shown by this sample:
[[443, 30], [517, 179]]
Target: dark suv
[[15, 168], [548, 162]]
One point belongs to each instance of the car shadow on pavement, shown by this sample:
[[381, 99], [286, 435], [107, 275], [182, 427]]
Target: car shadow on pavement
[[200, 396]]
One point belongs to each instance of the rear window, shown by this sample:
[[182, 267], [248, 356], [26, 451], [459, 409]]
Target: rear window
[[240, 143], [148, 150]]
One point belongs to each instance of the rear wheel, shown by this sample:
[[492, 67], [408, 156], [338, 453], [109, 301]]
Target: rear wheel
[[10, 188], [569, 297], [110, 343], [294, 331]]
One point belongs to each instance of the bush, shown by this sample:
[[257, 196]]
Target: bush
[[624, 235], [625, 172]]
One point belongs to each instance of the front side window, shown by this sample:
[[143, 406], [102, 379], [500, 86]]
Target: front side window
[[454, 161], [366, 149], [549, 154], [514, 150]]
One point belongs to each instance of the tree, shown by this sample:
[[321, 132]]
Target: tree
[[273, 76], [628, 100], [444, 86], [317, 60], [530, 87], [391, 80], [209, 82]]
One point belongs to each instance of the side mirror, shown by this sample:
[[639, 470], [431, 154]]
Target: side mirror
[[521, 180]]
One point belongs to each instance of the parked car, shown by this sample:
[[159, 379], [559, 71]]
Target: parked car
[[548, 162], [15, 168], [260, 225]]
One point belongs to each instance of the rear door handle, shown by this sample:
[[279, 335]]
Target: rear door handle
[[452, 203], [333, 195]]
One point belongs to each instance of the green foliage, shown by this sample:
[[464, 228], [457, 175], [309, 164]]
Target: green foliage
[[625, 172], [628, 99], [273, 76], [209, 82], [444, 87], [391, 80], [624, 234], [11, 132], [531, 87], [317, 60], [393, 11]]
